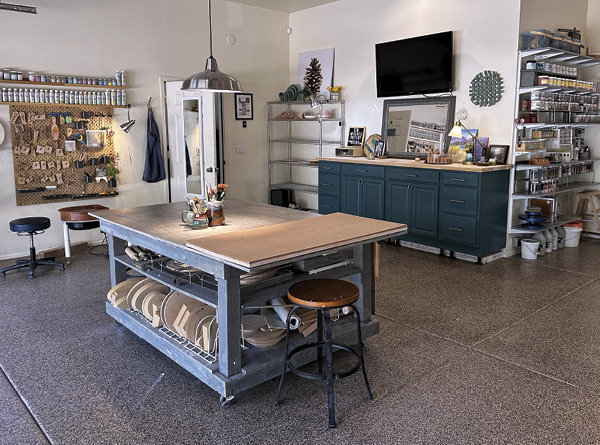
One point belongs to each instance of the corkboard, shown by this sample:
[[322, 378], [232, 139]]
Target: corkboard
[[281, 242], [46, 152]]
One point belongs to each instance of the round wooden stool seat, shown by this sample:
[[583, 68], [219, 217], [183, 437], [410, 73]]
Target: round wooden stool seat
[[323, 292]]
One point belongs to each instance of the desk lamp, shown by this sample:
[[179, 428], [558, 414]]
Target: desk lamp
[[457, 132]]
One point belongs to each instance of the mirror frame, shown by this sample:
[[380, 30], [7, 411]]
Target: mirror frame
[[450, 101]]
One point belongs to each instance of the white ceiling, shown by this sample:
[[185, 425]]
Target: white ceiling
[[287, 6]]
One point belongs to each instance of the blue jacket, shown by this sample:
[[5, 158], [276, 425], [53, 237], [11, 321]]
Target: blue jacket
[[154, 170]]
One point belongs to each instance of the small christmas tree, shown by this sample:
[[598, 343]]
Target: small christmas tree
[[313, 77]]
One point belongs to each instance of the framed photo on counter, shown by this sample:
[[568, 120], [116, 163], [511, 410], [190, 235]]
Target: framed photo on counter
[[498, 153], [244, 110], [356, 136]]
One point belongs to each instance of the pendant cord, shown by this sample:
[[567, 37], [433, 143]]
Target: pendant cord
[[210, 27]]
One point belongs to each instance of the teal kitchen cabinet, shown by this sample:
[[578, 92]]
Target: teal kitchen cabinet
[[455, 210]]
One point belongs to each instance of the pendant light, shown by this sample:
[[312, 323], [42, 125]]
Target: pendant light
[[211, 79]]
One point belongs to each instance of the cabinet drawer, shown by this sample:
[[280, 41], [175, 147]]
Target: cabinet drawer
[[413, 174], [329, 167], [329, 184], [374, 171], [460, 200], [459, 229], [460, 178], [328, 204]]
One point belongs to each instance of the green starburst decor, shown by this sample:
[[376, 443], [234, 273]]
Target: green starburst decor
[[486, 88]]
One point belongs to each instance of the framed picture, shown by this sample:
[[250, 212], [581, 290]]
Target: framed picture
[[380, 149], [356, 136], [498, 153], [244, 110]]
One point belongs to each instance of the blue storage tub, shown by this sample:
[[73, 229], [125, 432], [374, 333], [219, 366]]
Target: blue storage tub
[[537, 38]]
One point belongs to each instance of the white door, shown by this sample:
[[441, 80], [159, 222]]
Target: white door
[[190, 122]]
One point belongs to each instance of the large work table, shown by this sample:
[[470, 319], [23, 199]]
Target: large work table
[[255, 237]]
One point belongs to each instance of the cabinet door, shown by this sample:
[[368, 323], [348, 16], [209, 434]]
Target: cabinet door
[[424, 209], [372, 198], [351, 195], [397, 202]]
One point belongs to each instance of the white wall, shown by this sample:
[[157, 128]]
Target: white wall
[[147, 38], [485, 38]]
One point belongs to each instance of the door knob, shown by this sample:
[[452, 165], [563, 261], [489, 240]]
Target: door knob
[[209, 170]]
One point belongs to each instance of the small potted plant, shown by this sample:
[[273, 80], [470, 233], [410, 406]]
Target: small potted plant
[[334, 92], [111, 173]]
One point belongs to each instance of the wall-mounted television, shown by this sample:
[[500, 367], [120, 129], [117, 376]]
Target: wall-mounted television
[[419, 65]]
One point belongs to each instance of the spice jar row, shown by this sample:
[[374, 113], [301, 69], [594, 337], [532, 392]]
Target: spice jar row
[[120, 78], [24, 95]]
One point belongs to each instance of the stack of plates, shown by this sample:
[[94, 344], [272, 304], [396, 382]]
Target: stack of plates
[[533, 217]]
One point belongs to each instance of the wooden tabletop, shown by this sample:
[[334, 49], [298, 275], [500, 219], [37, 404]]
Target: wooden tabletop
[[397, 162], [255, 235]]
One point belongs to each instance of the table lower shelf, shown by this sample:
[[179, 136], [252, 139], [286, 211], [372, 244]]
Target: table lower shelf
[[258, 365]]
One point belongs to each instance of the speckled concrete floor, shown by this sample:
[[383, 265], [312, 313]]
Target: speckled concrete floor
[[508, 352]]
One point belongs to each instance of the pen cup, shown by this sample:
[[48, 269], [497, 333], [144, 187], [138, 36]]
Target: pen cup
[[216, 216]]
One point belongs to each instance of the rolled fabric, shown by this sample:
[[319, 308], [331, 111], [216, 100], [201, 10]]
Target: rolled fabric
[[282, 311]]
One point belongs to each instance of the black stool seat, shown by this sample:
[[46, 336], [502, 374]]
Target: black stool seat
[[30, 224], [33, 225], [324, 295]]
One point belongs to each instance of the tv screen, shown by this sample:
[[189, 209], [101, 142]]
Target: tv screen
[[418, 65]]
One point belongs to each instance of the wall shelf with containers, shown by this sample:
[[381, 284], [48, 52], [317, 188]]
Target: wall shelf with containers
[[297, 135], [553, 107], [114, 96]]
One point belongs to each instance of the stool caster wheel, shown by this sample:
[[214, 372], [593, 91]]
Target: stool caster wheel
[[62, 268], [117, 323], [225, 401], [3, 274]]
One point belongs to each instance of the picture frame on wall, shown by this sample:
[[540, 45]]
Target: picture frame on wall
[[244, 108], [356, 136], [497, 153]]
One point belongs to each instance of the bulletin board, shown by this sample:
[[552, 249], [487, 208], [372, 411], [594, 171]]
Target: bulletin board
[[52, 157]]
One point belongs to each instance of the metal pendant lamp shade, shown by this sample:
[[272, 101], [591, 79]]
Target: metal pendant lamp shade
[[211, 79]]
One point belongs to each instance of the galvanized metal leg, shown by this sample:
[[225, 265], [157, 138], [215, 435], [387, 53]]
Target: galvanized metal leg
[[67, 239], [229, 319], [363, 280], [320, 340], [329, 366], [118, 271]]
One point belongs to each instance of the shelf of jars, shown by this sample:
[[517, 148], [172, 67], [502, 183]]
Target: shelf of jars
[[61, 84]]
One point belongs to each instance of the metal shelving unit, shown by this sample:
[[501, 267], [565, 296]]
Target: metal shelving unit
[[295, 133], [523, 132]]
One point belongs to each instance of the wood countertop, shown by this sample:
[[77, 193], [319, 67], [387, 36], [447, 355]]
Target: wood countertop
[[397, 162], [255, 235]]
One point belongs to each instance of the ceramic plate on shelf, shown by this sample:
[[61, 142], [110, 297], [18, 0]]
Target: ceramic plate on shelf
[[370, 143], [1, 133]]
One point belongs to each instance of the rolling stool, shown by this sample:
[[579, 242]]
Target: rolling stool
[[30, 226], [323, 295]]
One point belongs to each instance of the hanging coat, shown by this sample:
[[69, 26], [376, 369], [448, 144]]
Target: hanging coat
[[154, 170]]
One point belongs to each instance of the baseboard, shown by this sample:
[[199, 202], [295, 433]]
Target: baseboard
[[60, 251]]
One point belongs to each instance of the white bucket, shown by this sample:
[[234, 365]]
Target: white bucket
[[530, 249], [572, 235]]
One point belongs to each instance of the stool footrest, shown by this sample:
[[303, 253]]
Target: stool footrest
[[322, 375]]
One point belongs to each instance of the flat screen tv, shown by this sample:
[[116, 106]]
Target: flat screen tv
[[419, 65]]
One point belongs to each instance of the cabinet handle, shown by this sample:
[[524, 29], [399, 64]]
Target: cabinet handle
[[327, 185], [326, 168], [457, 179], [455, 229], [326, 207], [362, 171], [460, 201], [412, 176]]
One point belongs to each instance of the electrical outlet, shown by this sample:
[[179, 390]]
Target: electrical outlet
[[516, 241], [240, 150]]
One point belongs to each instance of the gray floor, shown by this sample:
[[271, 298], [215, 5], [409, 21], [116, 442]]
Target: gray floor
[[508, 352]]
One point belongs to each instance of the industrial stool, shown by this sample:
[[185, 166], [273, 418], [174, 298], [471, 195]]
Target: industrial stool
[[30, 226], [323, 295], [582, 199]]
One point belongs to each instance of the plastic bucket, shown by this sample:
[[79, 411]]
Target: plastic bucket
[[572, 234], [530, 249]]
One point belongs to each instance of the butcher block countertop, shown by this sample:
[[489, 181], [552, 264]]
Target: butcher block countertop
[[397, 162]]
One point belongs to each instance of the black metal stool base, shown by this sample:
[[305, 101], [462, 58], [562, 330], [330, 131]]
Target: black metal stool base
[[31, 263], [324, 329]]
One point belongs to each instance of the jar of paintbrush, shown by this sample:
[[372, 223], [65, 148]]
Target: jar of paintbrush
[[215, 195]]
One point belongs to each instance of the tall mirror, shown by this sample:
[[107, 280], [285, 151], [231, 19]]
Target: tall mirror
[[192, 135], [413, 126]]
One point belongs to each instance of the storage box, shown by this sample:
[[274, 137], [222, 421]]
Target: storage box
[[528, 78], [539, 38]]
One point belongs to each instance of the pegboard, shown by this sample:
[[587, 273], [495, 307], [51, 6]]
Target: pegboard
[[41, 161]]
